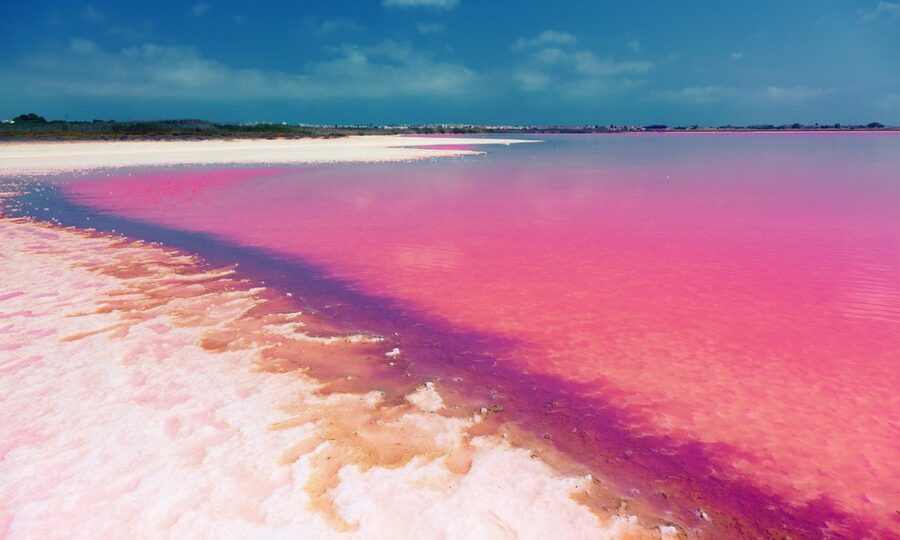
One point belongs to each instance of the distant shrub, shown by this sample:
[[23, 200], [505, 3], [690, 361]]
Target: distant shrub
[[30, 118]]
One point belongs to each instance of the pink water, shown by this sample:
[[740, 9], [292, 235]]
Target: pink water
[[730, 302]]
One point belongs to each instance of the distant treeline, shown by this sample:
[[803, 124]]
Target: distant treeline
[[695, 127], [33, 126], [768, 127]]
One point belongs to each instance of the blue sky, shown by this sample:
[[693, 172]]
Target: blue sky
[[460, 61]]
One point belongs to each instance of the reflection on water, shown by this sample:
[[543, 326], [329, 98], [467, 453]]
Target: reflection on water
[[736, 292]]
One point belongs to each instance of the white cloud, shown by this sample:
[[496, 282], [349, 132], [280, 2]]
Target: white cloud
[[435, 4], [388, 69], [735, 56], [634, 46], [551, 55], [532, 81], [200, 8], [587, 63], [793, 93], [888, 8], [552, 63], [883, 9], [83, 46], [547, 37]]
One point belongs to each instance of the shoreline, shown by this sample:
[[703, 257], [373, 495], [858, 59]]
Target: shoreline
[[366, 364], [35, 158], [197, 380], [312, 455]]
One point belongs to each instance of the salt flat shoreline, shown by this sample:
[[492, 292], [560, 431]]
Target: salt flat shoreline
[[131, 410], [125, 415], [22, 158]]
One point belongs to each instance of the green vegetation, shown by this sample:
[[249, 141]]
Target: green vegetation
[[33, 126], [29, 119]]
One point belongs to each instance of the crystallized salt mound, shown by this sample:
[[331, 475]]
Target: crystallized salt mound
[[142, 398]]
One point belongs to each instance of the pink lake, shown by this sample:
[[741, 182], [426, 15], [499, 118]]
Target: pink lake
[[712, 320]]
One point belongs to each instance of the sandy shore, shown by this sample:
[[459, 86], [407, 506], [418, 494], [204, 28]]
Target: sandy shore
[[52, 157]]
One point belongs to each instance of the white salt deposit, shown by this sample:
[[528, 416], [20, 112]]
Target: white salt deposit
[[426, 398], [51, 157], [117, 422]]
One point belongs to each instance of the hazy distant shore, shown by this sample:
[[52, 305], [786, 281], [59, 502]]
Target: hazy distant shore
[[61, 156], [31, 127]]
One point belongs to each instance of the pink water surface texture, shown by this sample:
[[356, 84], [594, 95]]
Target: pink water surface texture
[[738, 295]]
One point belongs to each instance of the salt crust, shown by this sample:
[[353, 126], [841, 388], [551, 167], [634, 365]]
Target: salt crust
[[138, 431], [56, 157]]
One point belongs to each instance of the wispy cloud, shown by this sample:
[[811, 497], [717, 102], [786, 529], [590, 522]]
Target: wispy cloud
[[430, 28], [384, 70], [695, 95], [588, 63], [132, 30], [92, 14], [82, 47], [793, 93], [547, 37], [551, 62], [882, 9], [672, 58], [435, 4], [331, 26], [592, 88], [709, 94], [634, 46], [737, 55], [531, 80], [200, 8]]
